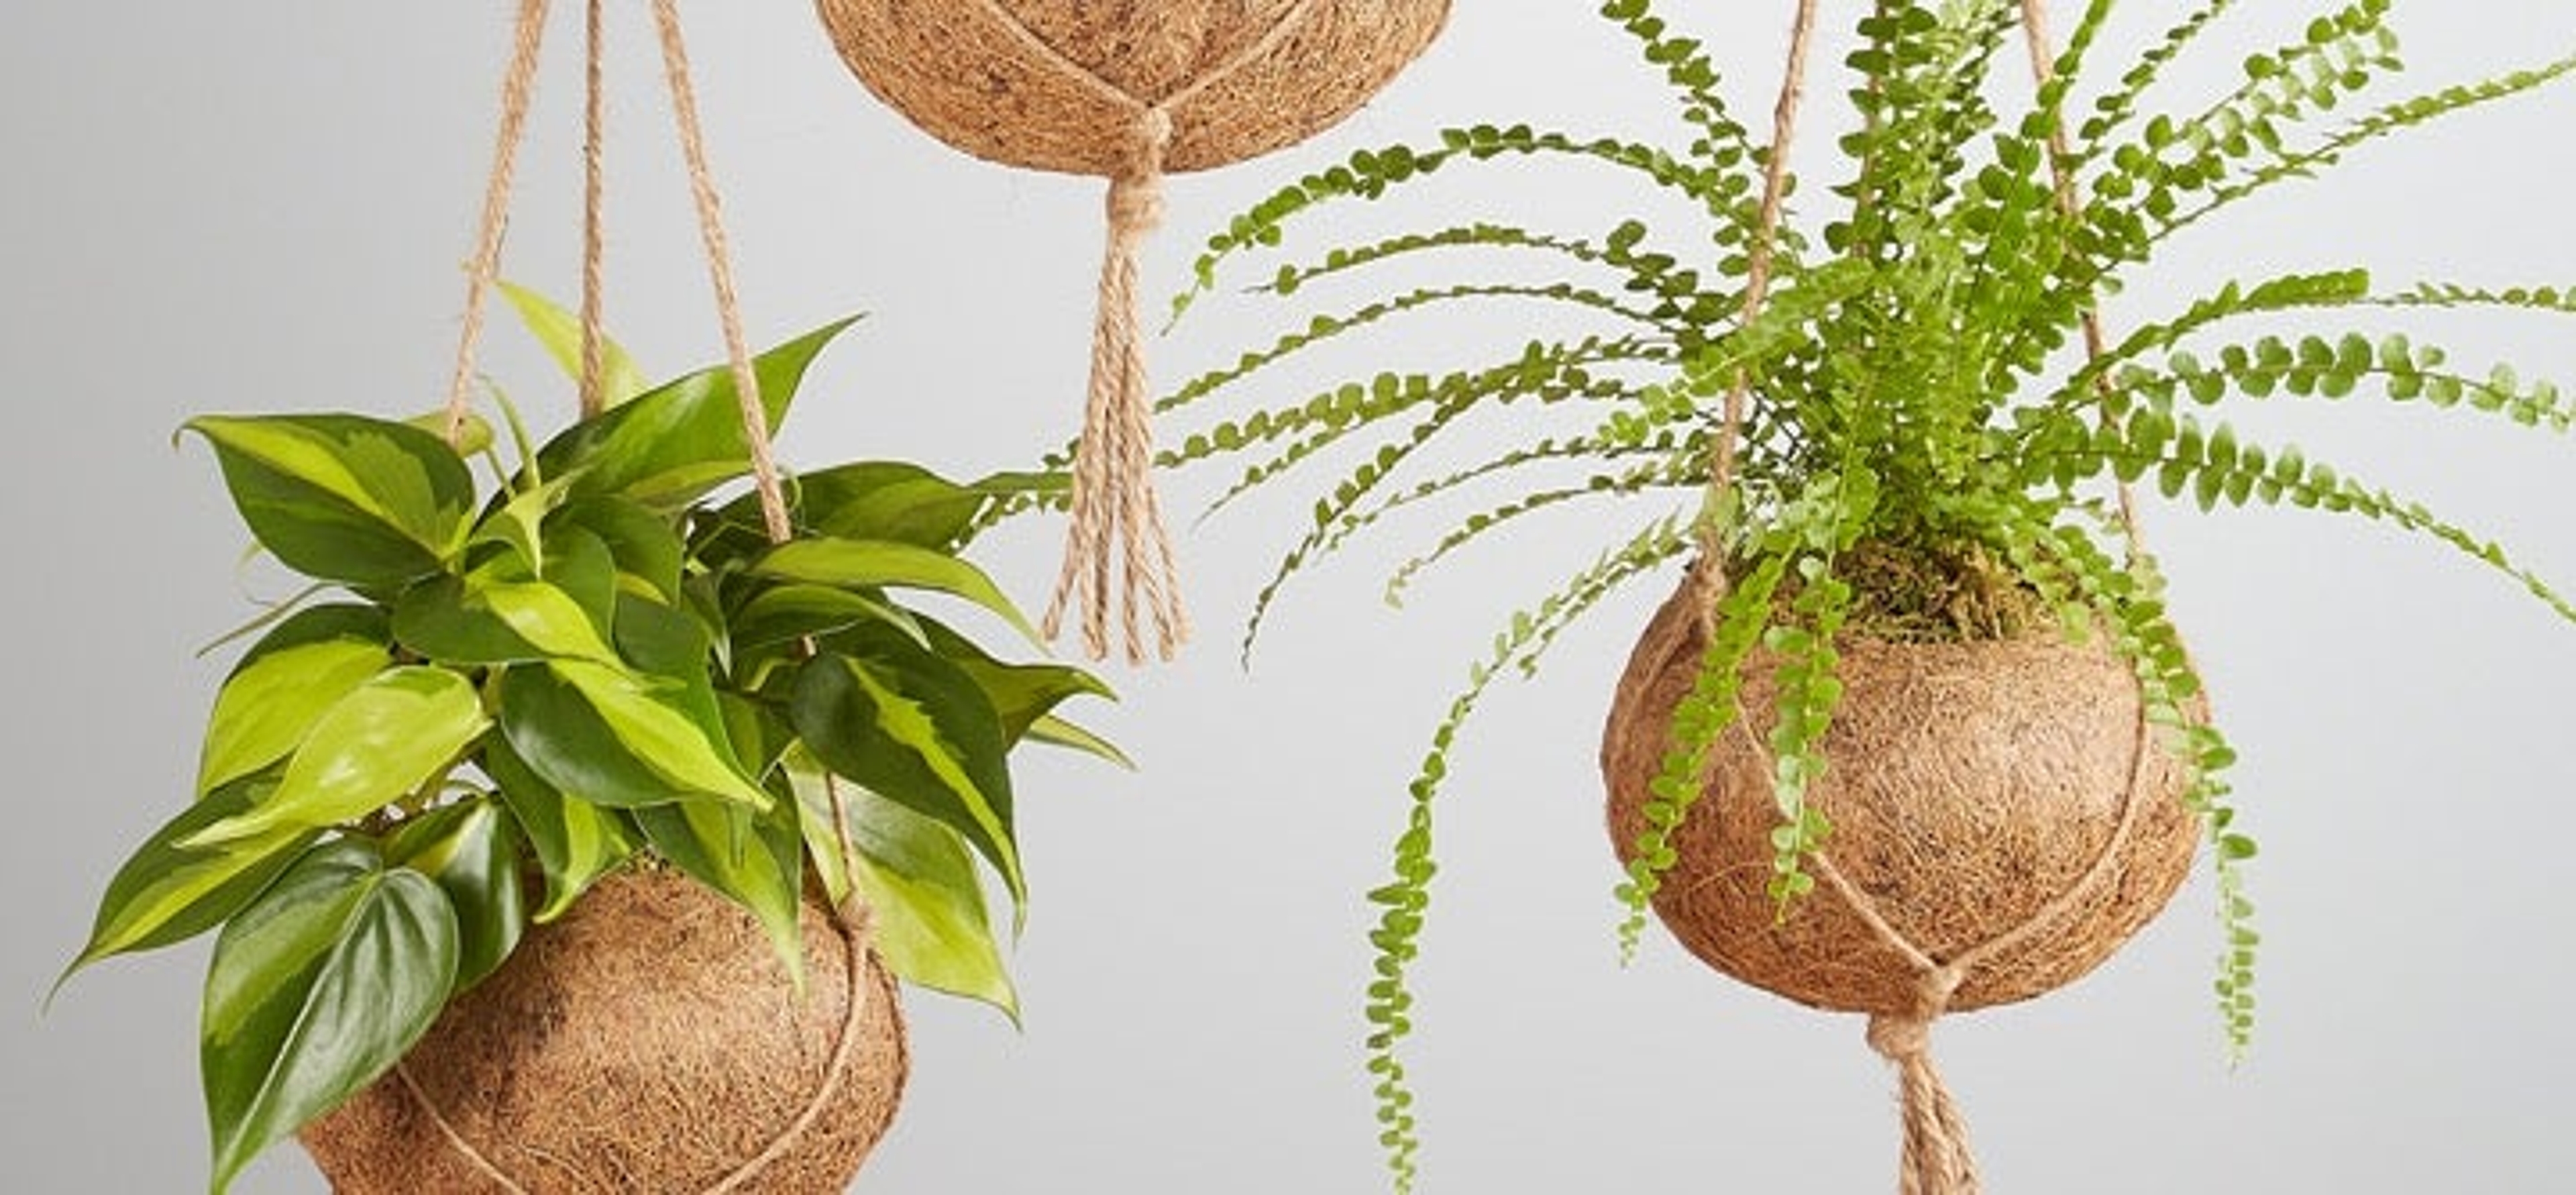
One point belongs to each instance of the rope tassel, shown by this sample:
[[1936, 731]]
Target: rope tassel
[[1117, 545]]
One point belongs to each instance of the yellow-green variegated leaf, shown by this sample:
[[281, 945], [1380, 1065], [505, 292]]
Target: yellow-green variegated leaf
[[667, 447], [170, 892], [544, 616], [889, 564], [645, 717], [560, 332], [929, 919], [268, 706], [344, 497], [898, 719], [383, 742]]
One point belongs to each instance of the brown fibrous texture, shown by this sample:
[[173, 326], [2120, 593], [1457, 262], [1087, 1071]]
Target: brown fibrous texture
[[1972, 788], [650, 1040], [966, 71]]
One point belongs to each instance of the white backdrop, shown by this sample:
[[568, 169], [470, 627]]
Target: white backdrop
[[252, 206]]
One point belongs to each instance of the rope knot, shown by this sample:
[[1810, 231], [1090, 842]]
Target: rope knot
[[1906, 1036], [1899, 1038], [1936, 1159], [1135, 206], [1136, 196]]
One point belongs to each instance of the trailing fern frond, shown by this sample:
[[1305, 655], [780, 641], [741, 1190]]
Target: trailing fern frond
[[1406, 899], [1323, 328], [2392, 118], [1711, 707]]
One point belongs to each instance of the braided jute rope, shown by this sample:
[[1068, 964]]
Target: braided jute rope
[[1936, 1158], [1129, 92], [594, 206], [518, 87]]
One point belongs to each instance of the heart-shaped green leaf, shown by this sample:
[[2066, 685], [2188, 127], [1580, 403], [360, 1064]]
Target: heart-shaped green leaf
[[383, 742], [274, 700], [645, 546], [919, 879], [545, 617], [439, 619], [1022, 694], [472, 850], [344, 497], [613, 738], [560, 332], [791, 613], [317, 989], [893, 500], [669, 644]]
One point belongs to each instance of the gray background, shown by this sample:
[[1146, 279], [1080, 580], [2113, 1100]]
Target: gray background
[[258, 206]]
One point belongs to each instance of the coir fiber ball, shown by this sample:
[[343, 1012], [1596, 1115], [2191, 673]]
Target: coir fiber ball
[[1060, 84], [648, 1041], [1975, 790]]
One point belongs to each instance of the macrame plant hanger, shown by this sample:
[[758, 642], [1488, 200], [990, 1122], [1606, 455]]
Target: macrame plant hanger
[[483, 273], [1935, 1157], [1131, 92]]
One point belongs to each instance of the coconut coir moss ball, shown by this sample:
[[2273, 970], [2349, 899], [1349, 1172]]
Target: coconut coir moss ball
[[1055, 85], [1970, 785], [647, 1041]]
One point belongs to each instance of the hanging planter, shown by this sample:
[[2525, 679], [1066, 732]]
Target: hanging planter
[[2002, 820], [1130, 92], [1916, 733], [569, 833], [682, 1059]]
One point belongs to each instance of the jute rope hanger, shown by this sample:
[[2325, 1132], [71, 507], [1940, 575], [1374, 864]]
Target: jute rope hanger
[[1116, 510], [1117, 544], [1935, 1157], [517, 93], [1128, 92]]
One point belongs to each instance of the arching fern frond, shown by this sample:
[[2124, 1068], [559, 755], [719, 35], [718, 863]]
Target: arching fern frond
[[1323, 328], [1368, 174], [1659, 474], [1547, 373]]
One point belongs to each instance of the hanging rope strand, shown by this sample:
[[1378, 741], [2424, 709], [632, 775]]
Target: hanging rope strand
[[518, 88], [746, 378], [1711, 573], [594, 253], [702, 188], [2043, 72]]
